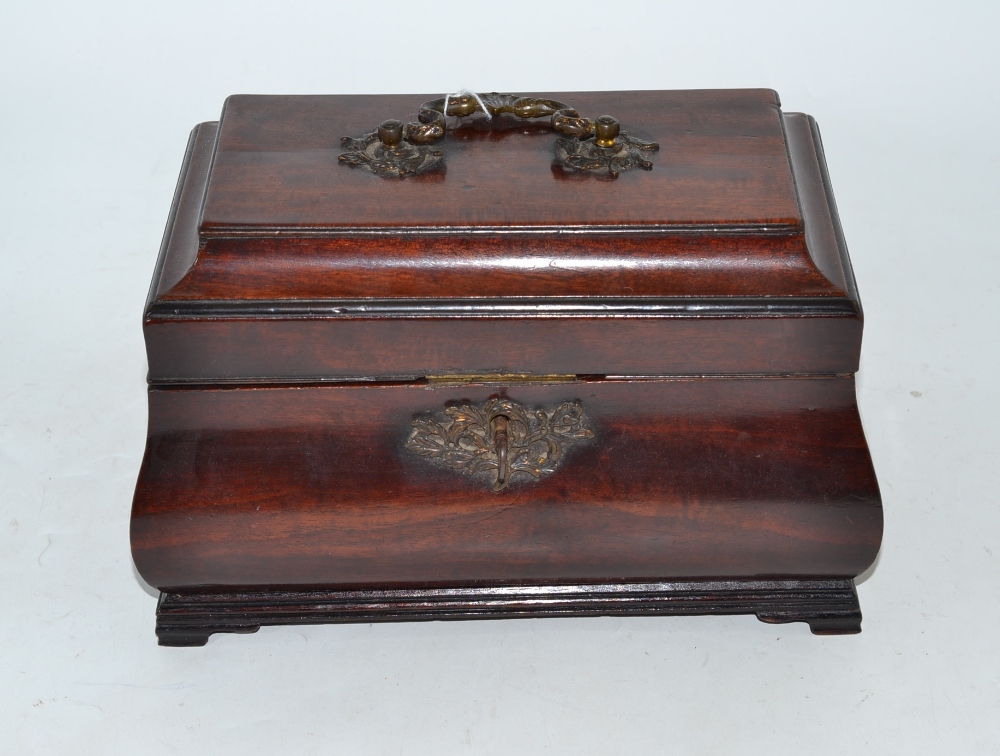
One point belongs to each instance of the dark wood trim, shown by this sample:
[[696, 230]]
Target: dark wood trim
[[462, 380], [696, 307], [538, 229], [830, 607]]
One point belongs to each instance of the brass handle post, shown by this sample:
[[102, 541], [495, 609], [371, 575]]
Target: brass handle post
[[606, 130], [390, 133]]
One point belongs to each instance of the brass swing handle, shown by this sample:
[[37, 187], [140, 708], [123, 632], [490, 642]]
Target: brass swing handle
[[565, 119], [397, 150]]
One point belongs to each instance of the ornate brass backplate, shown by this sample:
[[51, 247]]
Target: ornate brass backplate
[[499, 439], [587, 155], [588, 145], [394, 160]]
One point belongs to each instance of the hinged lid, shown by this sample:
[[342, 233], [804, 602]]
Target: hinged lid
[[733, 218]]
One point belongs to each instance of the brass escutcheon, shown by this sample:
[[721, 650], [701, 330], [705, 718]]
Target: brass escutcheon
[[500, 439]]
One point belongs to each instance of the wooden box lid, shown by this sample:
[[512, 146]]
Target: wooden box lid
[[734, 219]]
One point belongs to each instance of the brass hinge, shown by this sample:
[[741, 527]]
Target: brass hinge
[[461, 379]]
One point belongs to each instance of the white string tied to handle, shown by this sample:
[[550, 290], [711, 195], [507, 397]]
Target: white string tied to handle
[[462, 93]]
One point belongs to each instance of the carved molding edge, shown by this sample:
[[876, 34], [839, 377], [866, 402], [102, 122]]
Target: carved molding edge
[[188, 619], [499, 440]]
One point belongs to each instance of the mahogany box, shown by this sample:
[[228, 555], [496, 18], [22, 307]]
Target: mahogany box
[[503, 356]]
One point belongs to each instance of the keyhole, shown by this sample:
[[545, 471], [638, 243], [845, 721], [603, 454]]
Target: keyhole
[[500, 424]]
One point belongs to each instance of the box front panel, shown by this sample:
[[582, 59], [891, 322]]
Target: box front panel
[[330, 486]]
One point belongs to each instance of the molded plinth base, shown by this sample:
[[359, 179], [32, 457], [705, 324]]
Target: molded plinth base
[[188, 619]]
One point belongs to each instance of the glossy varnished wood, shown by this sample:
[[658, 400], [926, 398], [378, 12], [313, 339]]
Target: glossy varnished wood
[[397, 246], [526, 264], [317, 347], [188, 619], [707, 309], [697, 478], [722, 160], [317, 306]]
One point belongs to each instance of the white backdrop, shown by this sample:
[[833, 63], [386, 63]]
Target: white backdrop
[[97, 102]]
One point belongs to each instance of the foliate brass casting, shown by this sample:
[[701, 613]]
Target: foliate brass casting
[[388, 155], [594, 145], [500, 436], [615, 152]]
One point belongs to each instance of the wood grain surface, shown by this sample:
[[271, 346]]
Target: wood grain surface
[[399, 243], [344, 346], [685, 478], [304, 307], [722, 161], [705, 313]]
